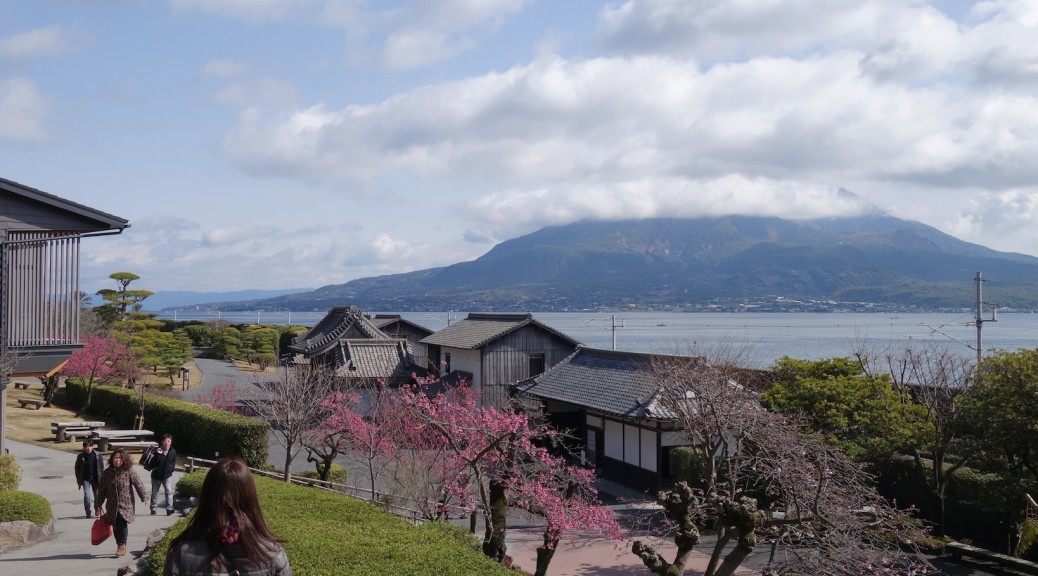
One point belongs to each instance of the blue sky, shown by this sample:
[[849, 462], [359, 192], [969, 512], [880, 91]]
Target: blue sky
[[289, 143]]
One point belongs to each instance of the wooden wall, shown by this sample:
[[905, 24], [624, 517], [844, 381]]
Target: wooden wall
[[507, 359]]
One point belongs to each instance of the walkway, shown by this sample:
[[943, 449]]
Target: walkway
[[50, 474]]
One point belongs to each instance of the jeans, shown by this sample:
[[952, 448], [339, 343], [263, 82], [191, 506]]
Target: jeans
[[157, 483], [89, 493]]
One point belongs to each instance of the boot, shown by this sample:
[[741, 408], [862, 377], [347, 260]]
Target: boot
[[121, 550]]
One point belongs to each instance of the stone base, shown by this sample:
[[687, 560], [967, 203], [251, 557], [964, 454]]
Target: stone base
[[22, 533]]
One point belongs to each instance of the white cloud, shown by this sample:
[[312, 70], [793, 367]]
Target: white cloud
[[179, 254], [516, 212], [40, 42], [23, 110], [629, 118]]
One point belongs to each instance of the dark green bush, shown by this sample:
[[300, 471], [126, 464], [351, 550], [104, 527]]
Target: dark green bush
[[10, 473], [328, 534], [190, 485], [15, 505], [196, 430]]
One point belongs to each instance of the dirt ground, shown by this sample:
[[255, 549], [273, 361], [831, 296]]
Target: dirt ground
[[33, 426]]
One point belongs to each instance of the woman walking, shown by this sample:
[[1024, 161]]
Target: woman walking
[[117, 481], [227, 534]]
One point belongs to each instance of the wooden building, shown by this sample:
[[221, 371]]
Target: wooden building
[[608, 399], [498, 350], [39, 278], [349, 342], [395, 326]]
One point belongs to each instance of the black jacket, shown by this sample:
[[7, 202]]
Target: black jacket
[[162, 465], [89, 468]]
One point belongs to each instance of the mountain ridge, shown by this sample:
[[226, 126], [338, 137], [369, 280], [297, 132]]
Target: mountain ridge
[[694, 264]]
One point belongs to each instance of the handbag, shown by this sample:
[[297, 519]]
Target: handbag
[[147, 457], [100, 531]]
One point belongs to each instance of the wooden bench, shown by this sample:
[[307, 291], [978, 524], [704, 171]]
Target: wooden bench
[[103, 438], [131, 445], [22, 385], [77, 434], [63, 431], [35, 403], [958, 550]]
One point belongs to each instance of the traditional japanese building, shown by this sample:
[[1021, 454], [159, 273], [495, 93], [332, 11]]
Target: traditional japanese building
[[39, 278], [498, 350]]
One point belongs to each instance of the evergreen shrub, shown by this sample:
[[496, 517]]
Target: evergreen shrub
[[196, 430], [17, 505], [10, 473]]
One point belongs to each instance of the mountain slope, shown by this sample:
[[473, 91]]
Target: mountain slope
[[685, 264]]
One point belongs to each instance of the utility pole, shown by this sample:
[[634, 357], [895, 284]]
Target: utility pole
[[979, 320]]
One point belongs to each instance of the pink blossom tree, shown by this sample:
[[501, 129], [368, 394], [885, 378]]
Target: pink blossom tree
[[224, 396], [99, 360], [498, 459]]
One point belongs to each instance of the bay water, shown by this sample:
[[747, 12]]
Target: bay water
[[762, 337]]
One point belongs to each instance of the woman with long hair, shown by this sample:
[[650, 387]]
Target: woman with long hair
[[116, 483], [227, 533]]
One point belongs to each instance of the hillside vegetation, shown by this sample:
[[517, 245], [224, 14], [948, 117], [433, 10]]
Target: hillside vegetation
[[700, 264]]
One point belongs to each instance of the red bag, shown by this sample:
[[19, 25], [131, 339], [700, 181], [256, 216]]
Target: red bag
[[100, 531]]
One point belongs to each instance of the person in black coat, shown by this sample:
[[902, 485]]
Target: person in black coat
[[89, 466], [162, 463]]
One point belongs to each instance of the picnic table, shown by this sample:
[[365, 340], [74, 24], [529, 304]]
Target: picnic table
[[124, 438], [65, 431]]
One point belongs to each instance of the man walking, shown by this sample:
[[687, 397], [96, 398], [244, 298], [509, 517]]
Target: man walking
[[89, 465], [162, 464]]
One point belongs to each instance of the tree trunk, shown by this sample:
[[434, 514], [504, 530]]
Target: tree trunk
[[494, 539], [545, 554], [288, 462], [90, 390]]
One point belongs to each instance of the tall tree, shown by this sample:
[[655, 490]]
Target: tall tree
[[291, 405], [97, 361], [765, 478], [865, 414], [500, 459], [940, 382], [1003, 410]]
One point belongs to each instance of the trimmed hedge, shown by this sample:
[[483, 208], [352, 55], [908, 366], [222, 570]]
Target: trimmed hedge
[[196, 429], [328, 534], [190, 485], [10, 473], [16, 505]]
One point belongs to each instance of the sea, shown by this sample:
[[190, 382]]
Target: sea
[[758, 338]]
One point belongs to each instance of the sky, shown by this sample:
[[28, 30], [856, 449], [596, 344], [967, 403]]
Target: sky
[[272, 144]]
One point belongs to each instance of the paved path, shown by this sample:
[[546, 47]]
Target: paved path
[[50, 473]]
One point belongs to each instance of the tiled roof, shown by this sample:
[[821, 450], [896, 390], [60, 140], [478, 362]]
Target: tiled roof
[[341, 322], [385, 322], [618, 383], [365, 358], [477, 330], [104, 220]]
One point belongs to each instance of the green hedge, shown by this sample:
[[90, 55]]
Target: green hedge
[[196, 430], [15, 505], [190, 485], [328, 534], [10, 473]]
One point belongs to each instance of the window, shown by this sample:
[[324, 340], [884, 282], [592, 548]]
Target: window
[[447, 363], [536, 364]]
